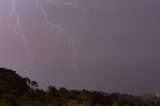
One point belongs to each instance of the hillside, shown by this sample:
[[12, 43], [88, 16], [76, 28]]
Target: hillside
[[18, 91]]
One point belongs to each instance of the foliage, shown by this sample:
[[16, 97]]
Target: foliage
[[3, 102], [18, 91]]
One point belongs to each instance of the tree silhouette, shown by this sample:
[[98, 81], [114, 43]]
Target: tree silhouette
[[18, 91], [12, 83]]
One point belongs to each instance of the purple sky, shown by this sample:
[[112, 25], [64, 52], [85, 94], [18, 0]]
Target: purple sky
[[117, 43]]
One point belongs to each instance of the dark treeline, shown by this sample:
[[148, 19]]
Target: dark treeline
[[18, 91]]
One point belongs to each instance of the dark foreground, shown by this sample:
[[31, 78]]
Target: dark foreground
[[18, 91]]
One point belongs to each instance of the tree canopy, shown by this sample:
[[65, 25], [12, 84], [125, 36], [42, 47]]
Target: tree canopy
[[18, 91]]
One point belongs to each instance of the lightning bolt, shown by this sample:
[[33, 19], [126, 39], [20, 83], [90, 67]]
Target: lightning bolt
[[17, 28], [61, 30], [62, 3]]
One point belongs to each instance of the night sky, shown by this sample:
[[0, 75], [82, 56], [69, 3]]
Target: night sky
[[109, 45]]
